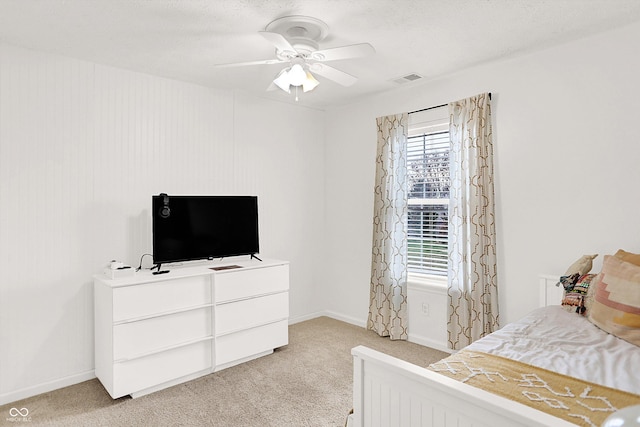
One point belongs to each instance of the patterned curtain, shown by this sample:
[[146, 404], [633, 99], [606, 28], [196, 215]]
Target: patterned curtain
[[472, 289], [388, 299]]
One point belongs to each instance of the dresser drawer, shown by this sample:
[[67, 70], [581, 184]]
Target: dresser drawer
[[145, 336], [135, 301], [251, 312], [234, 284], [244, 344], [138, 374]]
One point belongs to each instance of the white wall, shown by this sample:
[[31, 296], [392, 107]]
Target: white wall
[[566, 164], [82, 149]]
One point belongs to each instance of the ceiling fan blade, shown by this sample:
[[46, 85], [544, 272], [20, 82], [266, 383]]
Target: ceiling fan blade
[[278, 40], [334, 74], [242, 64], [344, 52]]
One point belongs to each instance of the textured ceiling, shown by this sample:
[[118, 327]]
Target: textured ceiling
[[184, 39]]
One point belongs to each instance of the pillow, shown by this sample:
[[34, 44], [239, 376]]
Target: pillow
[[588, 299], [575, 298], [624, 256], [628, 257], [581, 266], [568, 282], [616, 304]]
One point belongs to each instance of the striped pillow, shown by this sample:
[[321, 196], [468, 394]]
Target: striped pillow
[[616, 304], [575, 296]]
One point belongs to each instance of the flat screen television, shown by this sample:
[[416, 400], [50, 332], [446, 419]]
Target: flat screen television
[[187, 228]]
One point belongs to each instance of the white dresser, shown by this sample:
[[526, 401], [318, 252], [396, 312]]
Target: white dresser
[[155, 331]]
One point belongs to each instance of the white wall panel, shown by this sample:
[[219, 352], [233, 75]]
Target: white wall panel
[[83, 147], [154, 135], [280, 158], [46, 302]]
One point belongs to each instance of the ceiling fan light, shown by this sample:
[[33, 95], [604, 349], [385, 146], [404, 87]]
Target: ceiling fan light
[[310, 83], [283, 80], [297, 75]]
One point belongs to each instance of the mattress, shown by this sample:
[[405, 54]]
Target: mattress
[[567, 343]]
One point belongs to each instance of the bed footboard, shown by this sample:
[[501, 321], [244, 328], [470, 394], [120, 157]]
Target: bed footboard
[[391, 392]]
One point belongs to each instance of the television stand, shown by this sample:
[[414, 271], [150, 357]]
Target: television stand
[[254, 256], [152, 332]]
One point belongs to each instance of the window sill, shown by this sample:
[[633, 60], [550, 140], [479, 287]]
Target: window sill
[[424, 282]]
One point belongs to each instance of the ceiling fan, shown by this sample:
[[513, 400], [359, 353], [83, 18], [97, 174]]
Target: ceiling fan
[[296, 39]]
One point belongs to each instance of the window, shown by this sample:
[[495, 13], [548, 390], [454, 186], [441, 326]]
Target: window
[[428, 179]]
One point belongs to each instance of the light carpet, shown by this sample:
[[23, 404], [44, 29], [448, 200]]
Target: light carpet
[[306, 383]]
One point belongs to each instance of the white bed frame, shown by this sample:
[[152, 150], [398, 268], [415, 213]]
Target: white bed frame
[[394, 393]]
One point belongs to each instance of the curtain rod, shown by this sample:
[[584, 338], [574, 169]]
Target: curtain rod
[[430, 108], [437, 106]]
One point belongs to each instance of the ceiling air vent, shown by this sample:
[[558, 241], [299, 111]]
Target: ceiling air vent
[[408, 78]]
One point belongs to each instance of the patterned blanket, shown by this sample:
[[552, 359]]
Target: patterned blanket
[[574, 400]]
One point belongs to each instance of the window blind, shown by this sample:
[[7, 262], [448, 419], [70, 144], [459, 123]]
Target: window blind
[[429, 181]]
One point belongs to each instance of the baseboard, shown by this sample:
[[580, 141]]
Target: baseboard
[[346, 319], [428, 342], [414, 338], [46, 387], [331, 314], [298, 319]]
